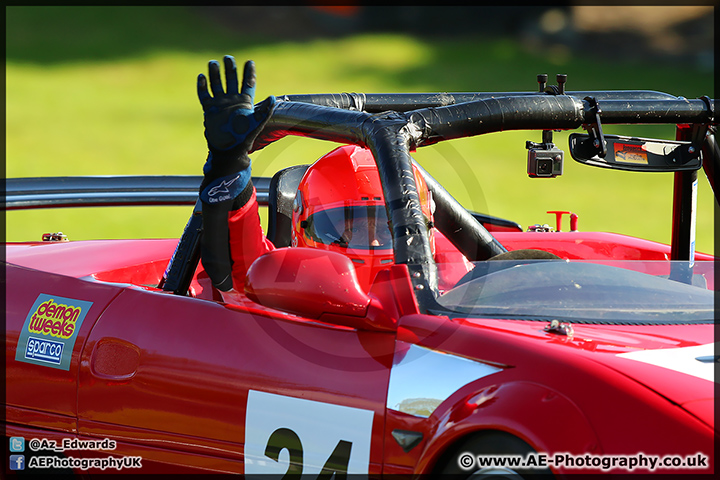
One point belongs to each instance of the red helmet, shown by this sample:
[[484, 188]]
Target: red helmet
[[340, 206]]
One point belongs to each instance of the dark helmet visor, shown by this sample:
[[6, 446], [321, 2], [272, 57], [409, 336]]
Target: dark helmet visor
[[360, 226]]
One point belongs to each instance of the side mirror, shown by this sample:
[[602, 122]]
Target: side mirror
[[637, 154], [316, 284]]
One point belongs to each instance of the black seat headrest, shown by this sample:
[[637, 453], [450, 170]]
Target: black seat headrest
[[281, 195]]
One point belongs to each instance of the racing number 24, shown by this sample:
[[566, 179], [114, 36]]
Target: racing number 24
[[284, 438]]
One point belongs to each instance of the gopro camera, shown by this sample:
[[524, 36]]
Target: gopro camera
[[544, 161]]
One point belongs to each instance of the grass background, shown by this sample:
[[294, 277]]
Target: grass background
[[111, 91]]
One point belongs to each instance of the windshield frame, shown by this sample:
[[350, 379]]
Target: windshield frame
[[539, 302]]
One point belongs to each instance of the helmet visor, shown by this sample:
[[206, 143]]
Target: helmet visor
[[359, 226]]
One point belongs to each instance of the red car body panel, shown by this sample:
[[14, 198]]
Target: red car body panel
[[199, 399], [590, 245], [49, 395], [171, 377], [532, 349]]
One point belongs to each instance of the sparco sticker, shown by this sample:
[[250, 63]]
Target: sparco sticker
[[50, 330], [294, 436]]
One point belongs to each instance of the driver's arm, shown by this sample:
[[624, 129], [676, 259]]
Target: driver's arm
[[232, 237]]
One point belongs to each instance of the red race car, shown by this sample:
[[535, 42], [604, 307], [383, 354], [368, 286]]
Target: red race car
[[506, 353]]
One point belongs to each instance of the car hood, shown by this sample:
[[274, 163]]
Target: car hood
[[676, 367], [683, 372], [675, 361]]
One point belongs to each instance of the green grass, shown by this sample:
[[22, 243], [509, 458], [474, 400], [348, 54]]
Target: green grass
[[111, 91]]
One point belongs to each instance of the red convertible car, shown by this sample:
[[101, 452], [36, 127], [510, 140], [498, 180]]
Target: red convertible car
[[509, 352]]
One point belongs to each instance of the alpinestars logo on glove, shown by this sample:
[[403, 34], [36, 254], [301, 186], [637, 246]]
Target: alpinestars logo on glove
[[220, 190]]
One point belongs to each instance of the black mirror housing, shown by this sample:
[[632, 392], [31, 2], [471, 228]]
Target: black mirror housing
[[636, 154]]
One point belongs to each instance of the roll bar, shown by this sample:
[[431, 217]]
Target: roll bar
[[390, 135]]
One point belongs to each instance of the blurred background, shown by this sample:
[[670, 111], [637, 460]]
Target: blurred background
[[111, 91]]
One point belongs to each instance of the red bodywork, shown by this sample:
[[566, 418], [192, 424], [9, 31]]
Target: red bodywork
[[171, 378]]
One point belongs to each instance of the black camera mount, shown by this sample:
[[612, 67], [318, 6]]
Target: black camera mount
[[545, 160]]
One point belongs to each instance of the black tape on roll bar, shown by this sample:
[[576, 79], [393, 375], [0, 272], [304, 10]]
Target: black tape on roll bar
[[404, 102], [314, 121], [495, 115]]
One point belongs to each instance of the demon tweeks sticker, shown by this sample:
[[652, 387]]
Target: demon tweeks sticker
[[304, 437], [50, 330]]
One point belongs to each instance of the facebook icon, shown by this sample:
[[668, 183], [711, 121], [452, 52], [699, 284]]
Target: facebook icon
[[17, 462]]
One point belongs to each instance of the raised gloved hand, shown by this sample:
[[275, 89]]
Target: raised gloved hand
[[231, 125]]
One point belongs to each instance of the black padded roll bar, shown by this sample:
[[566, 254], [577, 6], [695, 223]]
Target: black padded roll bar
[[390, 136], [404, 102]]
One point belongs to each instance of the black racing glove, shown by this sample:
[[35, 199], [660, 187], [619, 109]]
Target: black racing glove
[[231, 125]]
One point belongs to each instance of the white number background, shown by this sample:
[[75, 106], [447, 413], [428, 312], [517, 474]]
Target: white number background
[[320, 426]]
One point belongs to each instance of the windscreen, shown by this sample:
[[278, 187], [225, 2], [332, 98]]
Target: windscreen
[[623, 292]]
